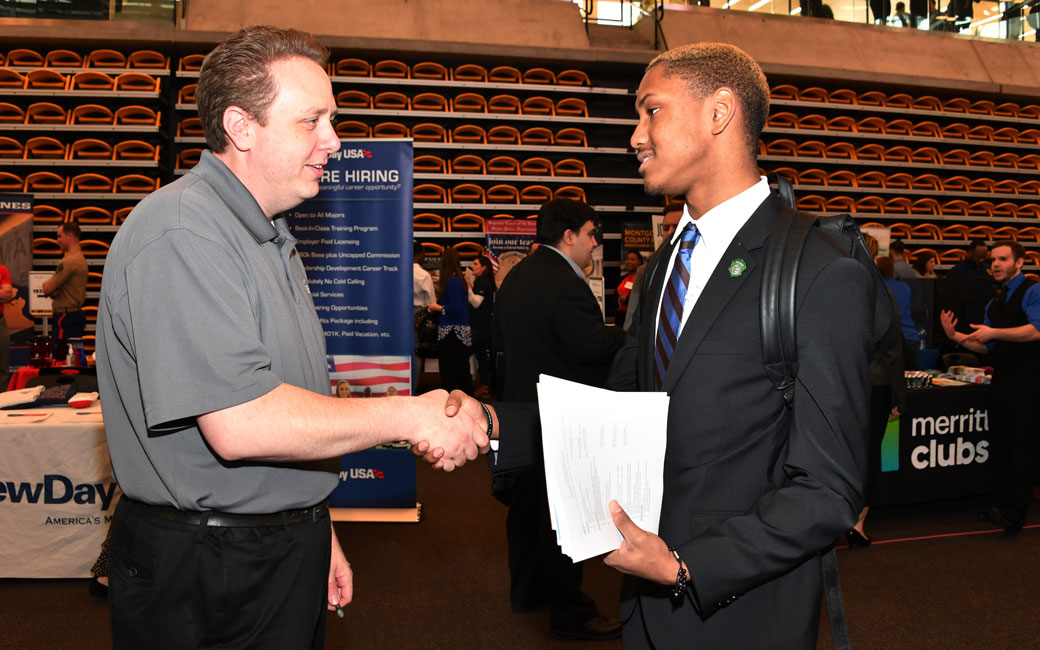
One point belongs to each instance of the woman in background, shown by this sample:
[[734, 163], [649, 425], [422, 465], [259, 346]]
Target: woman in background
[[924, 264], [481, 301], [454, 336], [629, 266]]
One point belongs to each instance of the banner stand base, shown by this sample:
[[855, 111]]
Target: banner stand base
[[379, 515]]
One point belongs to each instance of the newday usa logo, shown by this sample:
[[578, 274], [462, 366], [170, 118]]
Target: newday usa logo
[[350, 154], [56, 489], [361, 473]]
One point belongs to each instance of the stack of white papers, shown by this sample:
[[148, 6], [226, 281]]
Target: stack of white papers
[[21, 396], [600, 445]]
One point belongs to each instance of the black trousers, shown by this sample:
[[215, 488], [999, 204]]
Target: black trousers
[[178, 586], [539, 571], [453, 362], [1016, 446]]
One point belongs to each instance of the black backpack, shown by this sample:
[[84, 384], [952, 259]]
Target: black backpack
[[777, 317]]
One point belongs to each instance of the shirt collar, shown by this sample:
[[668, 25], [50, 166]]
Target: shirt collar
[[574, 265], [235, 195], [1013, 283], [719, 225]]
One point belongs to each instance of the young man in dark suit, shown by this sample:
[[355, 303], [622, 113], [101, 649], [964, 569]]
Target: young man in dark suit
[[550, 323], [753, 489]]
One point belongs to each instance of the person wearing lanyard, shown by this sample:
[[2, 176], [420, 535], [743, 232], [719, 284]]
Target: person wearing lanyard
[[67, 289], [223, 434], [1011, 335]]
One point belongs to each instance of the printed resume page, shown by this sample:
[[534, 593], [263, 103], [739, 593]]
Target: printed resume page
[[600, 445]]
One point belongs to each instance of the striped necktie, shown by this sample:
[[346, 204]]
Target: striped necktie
[[673, 301]]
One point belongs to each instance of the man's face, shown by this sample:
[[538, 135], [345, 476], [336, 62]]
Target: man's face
[[670, 222], [1005, 266], [583, 245], [288, 155], [672, 140], [978, 255], [64, 239]]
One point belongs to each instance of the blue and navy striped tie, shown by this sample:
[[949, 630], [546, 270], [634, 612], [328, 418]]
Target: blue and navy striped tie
[[672, 302]]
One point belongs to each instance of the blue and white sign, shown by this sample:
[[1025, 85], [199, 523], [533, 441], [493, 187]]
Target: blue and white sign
[[355, 240]]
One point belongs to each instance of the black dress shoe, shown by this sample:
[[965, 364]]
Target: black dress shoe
[[855, 539], [97, 588], [998, 517], [597, 628]]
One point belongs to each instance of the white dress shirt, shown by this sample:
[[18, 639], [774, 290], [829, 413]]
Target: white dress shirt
[[718, 226]]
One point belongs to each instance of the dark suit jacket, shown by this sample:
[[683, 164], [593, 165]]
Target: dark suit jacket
[[752, 490], [550, 323]]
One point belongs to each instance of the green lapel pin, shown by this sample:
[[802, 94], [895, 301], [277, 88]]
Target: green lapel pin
[[737, 268]]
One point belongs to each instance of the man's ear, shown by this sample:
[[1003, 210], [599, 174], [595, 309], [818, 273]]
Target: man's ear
[[569, 236], [240, 127], [723, 110]]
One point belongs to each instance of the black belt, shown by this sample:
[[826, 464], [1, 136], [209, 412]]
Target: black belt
[[231, 520]]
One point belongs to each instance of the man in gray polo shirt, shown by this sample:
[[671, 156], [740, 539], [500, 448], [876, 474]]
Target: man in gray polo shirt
[[211, 360]]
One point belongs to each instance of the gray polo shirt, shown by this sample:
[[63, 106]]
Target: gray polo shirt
[[204, 305]]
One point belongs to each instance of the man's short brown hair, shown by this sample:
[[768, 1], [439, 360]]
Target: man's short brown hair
[[706, 67], [238, 73], [71, 228], [1018, 251]]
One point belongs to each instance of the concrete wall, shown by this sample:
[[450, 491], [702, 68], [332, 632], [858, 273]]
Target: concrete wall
[[517, 23]]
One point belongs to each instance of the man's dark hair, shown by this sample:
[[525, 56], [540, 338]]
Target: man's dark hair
[[896, 246], [706, 67], [1017, 250], [975, 243], [560, 215], [238, 73], [71, 228]]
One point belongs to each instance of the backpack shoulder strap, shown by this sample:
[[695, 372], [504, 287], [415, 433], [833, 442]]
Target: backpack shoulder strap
[[777, 297]]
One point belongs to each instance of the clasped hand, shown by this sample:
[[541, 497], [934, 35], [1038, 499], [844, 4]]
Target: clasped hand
[[456, 431]]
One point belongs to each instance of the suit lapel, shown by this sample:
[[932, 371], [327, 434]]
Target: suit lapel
[[747, 245]]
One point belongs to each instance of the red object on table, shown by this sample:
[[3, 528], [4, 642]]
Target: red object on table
[[22, 376]]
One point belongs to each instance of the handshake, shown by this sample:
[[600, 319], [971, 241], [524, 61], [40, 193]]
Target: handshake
[[454, 429]]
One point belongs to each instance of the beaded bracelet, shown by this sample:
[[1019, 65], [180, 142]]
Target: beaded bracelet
[[490, 422], [680, 580]]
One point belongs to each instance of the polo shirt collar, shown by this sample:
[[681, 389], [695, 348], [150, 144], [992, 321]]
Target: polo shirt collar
[[235, 195]]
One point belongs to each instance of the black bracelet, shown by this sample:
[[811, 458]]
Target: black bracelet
[[680, 580], [490, 422]]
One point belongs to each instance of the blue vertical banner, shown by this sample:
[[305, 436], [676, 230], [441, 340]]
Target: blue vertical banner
[[355, 240]]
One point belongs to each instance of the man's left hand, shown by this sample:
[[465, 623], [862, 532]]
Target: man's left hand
[[641, 553], [341, 578], [982, 333]]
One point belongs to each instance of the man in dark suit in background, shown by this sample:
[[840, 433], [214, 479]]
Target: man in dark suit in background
[[550, 323], [753, 488]]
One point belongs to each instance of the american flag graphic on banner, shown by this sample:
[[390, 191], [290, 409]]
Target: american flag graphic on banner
[[372, 376]]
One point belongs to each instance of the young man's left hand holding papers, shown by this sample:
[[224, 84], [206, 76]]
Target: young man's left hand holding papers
[[599, 446]]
